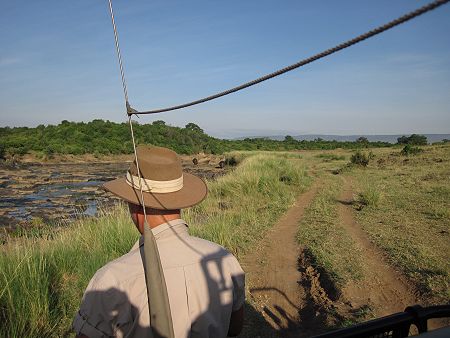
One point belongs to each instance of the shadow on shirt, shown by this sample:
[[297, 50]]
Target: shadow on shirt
[[255, 324], [219, 293]]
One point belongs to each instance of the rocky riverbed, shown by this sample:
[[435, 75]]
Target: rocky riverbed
[[56, 193]]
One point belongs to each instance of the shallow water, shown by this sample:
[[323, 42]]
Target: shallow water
[[57, 193], [54, 192]]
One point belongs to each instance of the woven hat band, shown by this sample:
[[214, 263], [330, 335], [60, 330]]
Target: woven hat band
[[154, 186]]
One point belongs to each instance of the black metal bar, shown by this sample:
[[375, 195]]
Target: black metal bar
[[396, 325], [422, 315]]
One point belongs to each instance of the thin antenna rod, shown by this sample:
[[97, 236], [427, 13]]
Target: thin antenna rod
[[116, 39]]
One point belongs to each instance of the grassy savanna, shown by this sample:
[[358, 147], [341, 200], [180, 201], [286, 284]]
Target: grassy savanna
[[401, 202], [42, 279], [405, 209]]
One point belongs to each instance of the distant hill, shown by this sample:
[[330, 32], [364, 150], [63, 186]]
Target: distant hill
[[351, 138]]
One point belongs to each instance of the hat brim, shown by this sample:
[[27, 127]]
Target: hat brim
[[193, 192]]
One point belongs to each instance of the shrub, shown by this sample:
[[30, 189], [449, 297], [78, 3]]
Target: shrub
[[231, 161], [410, 150], [361, 158], [369, 197], [363, 141]]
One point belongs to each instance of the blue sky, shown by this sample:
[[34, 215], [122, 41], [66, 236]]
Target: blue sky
[[57, 61]]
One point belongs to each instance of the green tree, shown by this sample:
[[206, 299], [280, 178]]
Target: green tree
[[414, 139], [194, 127], [402, 140], [289, 139], [418, 139], [360, 158]]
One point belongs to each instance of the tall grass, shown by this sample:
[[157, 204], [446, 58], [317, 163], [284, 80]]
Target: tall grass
[[244, 203], [42, 279]]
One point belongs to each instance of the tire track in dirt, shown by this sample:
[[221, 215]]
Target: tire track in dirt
[[272, 270], [383, 288], [291, 295]]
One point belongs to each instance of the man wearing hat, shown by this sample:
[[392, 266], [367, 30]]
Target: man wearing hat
[[205, 283]]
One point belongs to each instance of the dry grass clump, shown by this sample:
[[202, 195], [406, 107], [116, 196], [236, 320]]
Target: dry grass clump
[[369, 194]]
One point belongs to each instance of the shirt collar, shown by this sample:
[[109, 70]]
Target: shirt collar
[[177, 226]]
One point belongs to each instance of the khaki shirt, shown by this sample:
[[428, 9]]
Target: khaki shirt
[[205, 283]]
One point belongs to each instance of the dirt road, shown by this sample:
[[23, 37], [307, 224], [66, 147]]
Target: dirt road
[[272, 270], [293, 300]]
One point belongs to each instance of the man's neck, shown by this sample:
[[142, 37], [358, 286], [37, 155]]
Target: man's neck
[[156, 220]]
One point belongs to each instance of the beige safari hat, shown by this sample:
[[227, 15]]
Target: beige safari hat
[[164, 184]]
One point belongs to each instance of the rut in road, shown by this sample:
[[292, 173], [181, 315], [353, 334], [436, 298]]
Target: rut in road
[[272, 270], [383, 289]]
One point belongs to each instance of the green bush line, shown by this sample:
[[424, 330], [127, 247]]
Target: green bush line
[[100, 137], [42, 279]]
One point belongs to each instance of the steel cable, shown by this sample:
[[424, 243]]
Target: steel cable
[[158, 301], [301, 63], [119, 56]]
